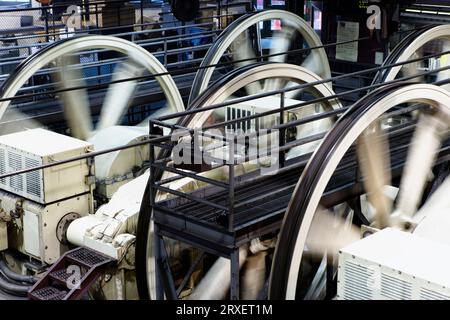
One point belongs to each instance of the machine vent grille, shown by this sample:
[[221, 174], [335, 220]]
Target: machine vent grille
[[427, 294], [236, 113], [33, 178], [15, 164], [395, 289], [2, 165], [357, 282]]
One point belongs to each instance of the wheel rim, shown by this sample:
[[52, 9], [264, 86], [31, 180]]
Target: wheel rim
[[411, 45], [311, 186], [233, 31], [73, 45], [217, 93]]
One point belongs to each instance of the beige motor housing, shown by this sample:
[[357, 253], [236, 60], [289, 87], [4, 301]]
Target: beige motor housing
[[39, 230], [35, 147], [115, 169], [37, 207]]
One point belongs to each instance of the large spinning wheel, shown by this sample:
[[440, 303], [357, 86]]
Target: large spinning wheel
[[427, 41], [221, 91], [134, 61], [236, 39], [313, 231]]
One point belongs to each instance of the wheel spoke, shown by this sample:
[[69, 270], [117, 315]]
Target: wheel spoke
[[254, 276], [412, 69], [244, 51], [329, 233], [282, 42], [76, 102], [15, 121], [423, 151], [119, 95], [318, 284], [312, 63], [374, 162]]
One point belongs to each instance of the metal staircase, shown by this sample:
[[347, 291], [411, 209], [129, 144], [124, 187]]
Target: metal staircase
[[71, 276]]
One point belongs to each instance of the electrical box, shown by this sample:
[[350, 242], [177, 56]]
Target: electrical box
[[257, 106], [37, 147], [394, 265]]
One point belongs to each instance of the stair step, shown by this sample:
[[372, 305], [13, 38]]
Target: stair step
[[53, 286], [62, 275], [88, 258], [48, 293]]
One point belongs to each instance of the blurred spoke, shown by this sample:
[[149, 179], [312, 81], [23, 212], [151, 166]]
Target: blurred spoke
[[119, 95], [421, 156], [76, 102], [374, 162]]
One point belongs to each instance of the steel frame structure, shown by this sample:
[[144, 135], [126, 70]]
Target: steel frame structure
[[200, 233], [50, 108], [211, 246], [181, 218]]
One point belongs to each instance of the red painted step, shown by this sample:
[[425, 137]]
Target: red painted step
[[58, 282]]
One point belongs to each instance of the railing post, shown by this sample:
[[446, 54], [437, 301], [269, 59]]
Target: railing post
[[156, 237], [282, 133], [152, 167], [234, 266], [231, 184], [47, 39], [219, 15], [165, 52], [142, 15], [96, 18]]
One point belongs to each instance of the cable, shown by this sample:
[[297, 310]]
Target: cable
[[193, 69], [14, 289], [8, 273]]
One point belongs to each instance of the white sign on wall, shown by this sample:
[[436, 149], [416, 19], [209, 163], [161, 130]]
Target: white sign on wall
[[347, 31]]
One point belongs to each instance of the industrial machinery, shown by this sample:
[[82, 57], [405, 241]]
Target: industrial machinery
[[45, 236], [39, 206], [183, 216], [239, 40], [224, 89], [423, 42], [309, 259], [392, 265], [264, 185]]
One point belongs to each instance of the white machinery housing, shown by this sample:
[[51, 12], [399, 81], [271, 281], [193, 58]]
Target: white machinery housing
[[394, 265], [38, 206], [265, 104], [114, 169], [32, 148], [257, 106]]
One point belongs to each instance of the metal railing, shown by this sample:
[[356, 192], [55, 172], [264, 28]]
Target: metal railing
[[167, 141]]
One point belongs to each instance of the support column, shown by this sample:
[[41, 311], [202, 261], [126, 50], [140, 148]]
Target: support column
[[234, 285]]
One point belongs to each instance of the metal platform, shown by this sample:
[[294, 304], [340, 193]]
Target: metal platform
[[222, 216]]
